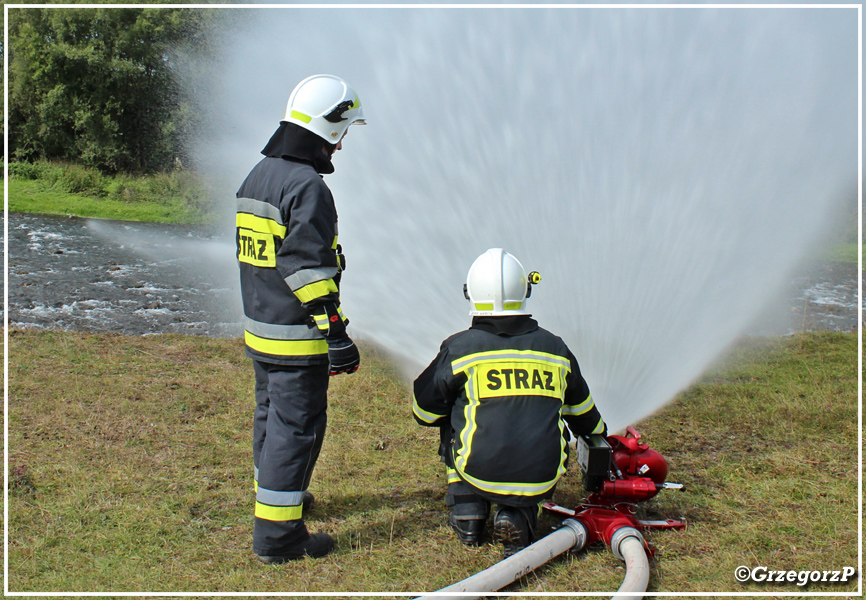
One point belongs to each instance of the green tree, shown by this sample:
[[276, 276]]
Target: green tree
[[97, 85]]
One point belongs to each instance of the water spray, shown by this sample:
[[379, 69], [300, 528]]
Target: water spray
[[665, 168], [619, 472]]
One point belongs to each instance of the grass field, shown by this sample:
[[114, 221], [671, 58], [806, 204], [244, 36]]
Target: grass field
[[131, 471]]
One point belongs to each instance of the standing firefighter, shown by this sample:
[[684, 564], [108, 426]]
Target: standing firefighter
[[295, 331], [501, 393]]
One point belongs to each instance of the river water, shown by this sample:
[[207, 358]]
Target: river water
[[145, 278], [134, 278]]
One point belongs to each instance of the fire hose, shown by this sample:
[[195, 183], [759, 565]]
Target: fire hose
[[627, 545], [620, 471]]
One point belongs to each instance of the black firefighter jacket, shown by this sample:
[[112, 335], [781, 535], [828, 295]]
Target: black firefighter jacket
[[287, 252], [502, 391]]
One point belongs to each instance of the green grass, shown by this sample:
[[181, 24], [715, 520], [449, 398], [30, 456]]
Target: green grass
[[843, 252], [131, 471], [65, 189]]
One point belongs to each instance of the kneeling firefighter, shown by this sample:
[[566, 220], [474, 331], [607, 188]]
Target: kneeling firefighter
[[295, 331], [502, 393]]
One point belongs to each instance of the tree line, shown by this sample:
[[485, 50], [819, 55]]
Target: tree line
[[99, 86]]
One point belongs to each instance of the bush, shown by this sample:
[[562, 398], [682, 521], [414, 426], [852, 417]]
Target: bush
[[63, 177], [24, 170], [75, 179]]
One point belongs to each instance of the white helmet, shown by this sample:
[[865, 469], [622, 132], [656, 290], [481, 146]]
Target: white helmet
[[325, 105], [497, 285]]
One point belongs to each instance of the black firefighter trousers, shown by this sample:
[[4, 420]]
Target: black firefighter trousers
[[288, 430]]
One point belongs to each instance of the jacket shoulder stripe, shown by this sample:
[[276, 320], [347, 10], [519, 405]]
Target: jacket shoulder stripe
[[259, 208], [461, 364], [260, 224]]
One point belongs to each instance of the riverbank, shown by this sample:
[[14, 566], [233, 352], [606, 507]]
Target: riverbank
[[149, 484], [183, 198], [71, 190]]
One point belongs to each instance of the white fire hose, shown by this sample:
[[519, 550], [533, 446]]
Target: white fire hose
[[626, 543]]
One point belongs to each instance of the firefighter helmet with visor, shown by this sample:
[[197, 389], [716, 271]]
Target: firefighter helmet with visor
[[325, 105], [497, 285]]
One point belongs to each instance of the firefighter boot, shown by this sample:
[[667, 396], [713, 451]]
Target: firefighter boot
[[513, 529], [316, 545], [468, 520], [469, 531]]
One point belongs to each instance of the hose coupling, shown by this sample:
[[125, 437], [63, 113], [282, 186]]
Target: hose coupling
[[622, 534], [581, 534]]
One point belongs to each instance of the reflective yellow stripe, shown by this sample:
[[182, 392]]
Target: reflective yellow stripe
[[471, 359], [582, 408], [285, 347], [469, 411], [334, 245], [426, 416], [452, 475], [256, 248], [511, 306], [260, 224], [300, 116], [278, 513], [322, 320], [316, 290], [515, 489], [481, 306], [600, 426], [515, 377]]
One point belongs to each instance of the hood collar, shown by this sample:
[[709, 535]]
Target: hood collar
[[506, 326], [293, 142]]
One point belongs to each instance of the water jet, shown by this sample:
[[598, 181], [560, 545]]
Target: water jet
[[666, 168]]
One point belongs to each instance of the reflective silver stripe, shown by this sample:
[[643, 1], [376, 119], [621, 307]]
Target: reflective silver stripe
[[281, 332], [307, 276], [459, 365], [274, 498], [518, 489], [579, 409], [424, 415], [260, 209], [471, 426]]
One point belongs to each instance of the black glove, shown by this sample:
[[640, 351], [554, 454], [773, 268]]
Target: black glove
[[342, 351], [343, 354]]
